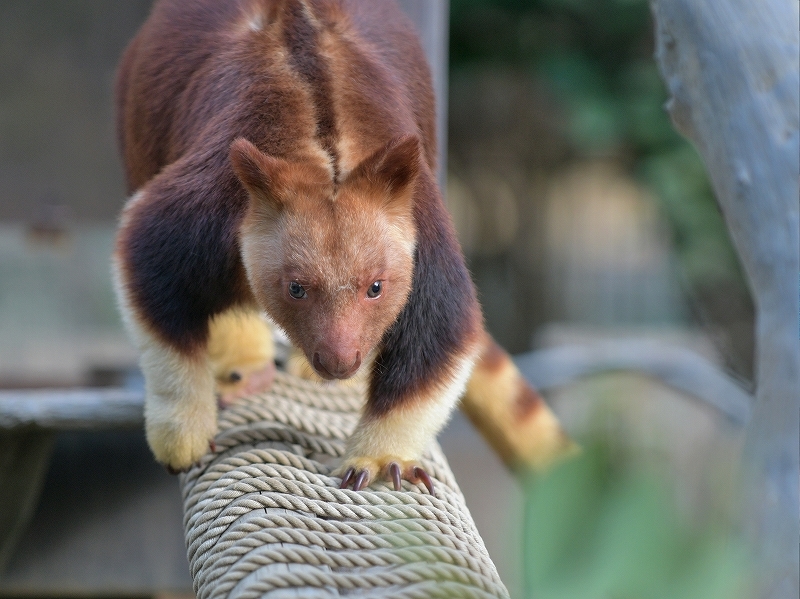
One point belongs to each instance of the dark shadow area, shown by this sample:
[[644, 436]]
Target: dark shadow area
[[109, 520]]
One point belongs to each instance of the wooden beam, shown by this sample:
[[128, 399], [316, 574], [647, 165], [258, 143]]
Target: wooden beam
[[71, 409], [432, 20]]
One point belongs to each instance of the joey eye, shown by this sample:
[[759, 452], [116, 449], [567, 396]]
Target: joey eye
[[374, 289], [234, 377], [297, 291]]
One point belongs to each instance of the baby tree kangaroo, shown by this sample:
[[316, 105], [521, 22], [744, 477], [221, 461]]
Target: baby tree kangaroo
[[281, 156]]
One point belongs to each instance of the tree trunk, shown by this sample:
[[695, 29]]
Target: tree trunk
[[731, 67]]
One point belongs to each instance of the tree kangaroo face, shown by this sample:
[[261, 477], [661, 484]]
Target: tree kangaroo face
[[332, 266]]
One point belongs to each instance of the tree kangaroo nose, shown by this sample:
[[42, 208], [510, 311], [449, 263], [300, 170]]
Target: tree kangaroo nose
[[336, 366]]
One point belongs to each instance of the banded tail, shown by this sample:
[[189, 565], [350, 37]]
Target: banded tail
[[511, 415]]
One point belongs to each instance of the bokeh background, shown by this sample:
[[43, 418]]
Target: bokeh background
[[583, 216]]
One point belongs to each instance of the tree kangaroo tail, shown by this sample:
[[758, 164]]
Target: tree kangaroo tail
[[511, 415]]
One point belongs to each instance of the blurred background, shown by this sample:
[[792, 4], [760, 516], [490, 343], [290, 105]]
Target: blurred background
[[584, 218]]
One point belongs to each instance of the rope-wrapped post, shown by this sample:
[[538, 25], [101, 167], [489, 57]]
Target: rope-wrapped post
[[264, 517]]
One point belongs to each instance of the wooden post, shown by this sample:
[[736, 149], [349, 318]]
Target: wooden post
[[432, 18], [731, 67]]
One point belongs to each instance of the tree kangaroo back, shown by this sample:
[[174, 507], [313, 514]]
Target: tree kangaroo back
[[281, 157]]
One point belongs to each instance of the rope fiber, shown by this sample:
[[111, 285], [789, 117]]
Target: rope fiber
[[264, 518]]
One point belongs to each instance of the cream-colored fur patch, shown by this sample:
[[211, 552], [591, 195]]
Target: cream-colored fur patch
[[180, 409], [403, 434], [238, 341]]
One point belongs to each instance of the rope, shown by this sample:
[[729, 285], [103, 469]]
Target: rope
[[264, 518]]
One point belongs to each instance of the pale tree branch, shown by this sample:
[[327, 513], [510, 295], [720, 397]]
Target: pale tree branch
[[731, 67]]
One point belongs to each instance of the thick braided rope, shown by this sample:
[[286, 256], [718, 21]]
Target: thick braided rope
[[264, 518]]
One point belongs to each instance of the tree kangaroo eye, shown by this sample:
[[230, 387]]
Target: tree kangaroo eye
[[297, 291], [374, 289]]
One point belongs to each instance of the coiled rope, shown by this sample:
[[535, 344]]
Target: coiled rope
[[264, 518]]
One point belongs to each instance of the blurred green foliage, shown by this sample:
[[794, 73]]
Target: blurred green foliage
[[598, 527], [595, 56]]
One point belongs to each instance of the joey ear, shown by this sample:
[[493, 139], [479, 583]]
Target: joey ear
[[395, 165], [261, 175]]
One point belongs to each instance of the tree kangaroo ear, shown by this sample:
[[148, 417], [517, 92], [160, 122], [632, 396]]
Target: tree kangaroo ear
[[263, 176], [393, 167]]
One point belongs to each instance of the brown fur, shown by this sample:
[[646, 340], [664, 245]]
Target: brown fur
[[289, 144], [527, 402]]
